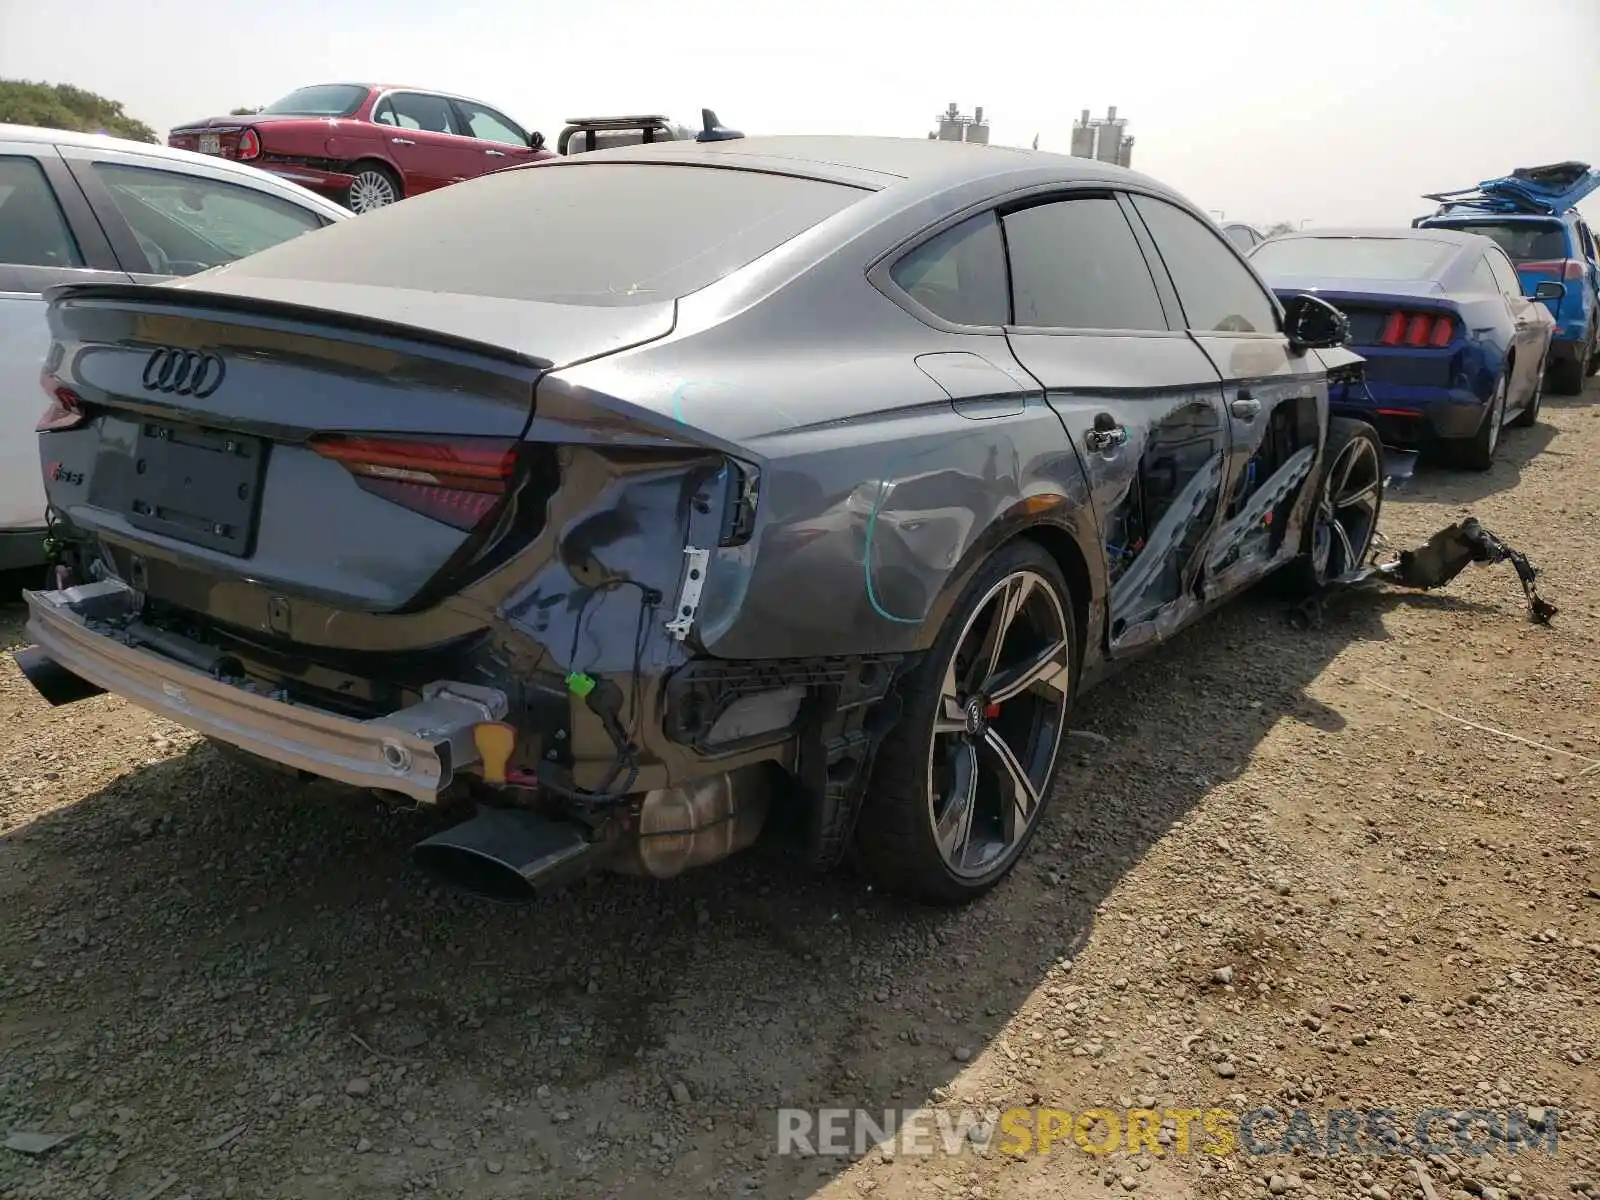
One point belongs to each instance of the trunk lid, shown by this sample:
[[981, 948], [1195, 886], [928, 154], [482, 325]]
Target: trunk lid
[[219, 135], [218, 451]]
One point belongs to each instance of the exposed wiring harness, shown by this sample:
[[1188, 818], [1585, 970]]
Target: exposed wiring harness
[[604, 698]]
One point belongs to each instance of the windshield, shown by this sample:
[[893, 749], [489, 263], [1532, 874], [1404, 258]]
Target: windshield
[[324, 100], [1523, 241], [1354, 257], [581, 232]]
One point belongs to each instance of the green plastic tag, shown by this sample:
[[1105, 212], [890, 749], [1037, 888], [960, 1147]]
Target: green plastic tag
[[579, 684]]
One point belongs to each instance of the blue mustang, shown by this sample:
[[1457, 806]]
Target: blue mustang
[[1454, 348]]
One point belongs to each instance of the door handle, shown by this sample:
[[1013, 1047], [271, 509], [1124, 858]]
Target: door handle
[[1106, 434], [495, 153], [1245, 406], [402, 141]]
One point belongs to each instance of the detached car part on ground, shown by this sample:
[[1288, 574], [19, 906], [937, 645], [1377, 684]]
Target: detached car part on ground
[[771, 486], [1532, 214], [1454, 350]]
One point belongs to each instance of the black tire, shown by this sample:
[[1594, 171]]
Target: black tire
[[914, 837], [1342, 500], [1566, 374], [1529, 416], [1477, 452], [1594, 350], [373, 186]]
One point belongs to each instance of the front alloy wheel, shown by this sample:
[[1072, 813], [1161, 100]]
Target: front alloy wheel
[[964, 778], [1348, 503]]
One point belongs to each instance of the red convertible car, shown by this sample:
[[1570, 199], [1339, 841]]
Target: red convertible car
[[367, 145]]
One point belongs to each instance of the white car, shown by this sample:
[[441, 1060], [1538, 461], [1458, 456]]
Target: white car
[[82, 208]]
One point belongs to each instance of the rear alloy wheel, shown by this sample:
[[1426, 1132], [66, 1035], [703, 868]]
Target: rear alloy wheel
[[1566, 374], [1476, 453], [1348, 502], [1529, 416], [963, 779], [372, 187]]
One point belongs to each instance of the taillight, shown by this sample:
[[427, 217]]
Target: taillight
[[1561, 268], [1417, 329], [249, 145], [454, 480], [65, 410]]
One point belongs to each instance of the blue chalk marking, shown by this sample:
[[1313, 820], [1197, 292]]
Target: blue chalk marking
[[866, 565]]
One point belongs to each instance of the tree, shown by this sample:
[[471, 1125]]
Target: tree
[[62, 106], [244, 112], [1279, 227]]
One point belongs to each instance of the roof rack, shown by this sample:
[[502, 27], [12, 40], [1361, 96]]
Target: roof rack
[[652, 127]]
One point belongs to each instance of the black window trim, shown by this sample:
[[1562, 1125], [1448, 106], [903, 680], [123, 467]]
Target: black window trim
[[1091, 192], [117, 230], [1183, 323], [878, 271], [449, 106], [458, 105], [1511, 266], [94, 247]]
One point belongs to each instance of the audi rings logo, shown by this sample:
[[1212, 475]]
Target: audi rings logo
[[183, 372]]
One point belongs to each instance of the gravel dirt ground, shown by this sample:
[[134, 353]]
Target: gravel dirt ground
[[1285, 877]]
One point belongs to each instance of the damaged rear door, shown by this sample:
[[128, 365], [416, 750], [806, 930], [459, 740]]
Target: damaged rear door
[[1276, 396], [1139, 399]]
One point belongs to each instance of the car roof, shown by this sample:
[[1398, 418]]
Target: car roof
[[1455, 237], [872, 162], [1479, 216], [34, 135], [385, 87]]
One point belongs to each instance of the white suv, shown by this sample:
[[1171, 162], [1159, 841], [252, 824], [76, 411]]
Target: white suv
[[81, 208]]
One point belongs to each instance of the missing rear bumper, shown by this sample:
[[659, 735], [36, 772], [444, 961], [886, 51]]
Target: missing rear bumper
[[417, 751]]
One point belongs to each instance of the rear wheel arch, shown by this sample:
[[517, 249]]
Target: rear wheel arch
[[1055, 538]]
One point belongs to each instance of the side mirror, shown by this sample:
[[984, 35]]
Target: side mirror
[[1549, 290], [1311, 323], [536, 140]]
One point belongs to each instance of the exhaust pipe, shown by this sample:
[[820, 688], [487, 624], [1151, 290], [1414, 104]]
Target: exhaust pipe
[[51, 680], [509, 854]]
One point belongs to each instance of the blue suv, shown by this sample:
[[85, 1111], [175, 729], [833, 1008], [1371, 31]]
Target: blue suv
[[1530, 214]]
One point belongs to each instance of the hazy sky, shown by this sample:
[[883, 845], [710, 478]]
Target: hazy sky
[[1339, 112]]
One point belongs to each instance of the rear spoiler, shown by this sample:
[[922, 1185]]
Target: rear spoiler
[[1534, 191], [597, 133]]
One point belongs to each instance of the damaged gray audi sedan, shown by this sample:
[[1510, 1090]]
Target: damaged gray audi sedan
[[668, 494]]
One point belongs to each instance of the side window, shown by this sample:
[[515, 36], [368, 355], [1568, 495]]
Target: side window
[[1217, 293], [1505, 274], [488, 125], [960, 274], [33, 231], [1076, 265], [418, 110], [384, 114], [1483, 277], [187, 223]]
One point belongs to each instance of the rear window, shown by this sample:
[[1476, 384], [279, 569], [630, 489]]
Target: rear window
[[1354, 258], [324, 100], [1523, 241], [606, 234]]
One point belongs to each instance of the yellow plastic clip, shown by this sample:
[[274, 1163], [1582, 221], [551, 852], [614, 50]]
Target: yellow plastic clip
[[495, 741]]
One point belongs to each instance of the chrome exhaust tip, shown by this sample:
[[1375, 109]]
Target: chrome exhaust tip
[[509, 855]]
